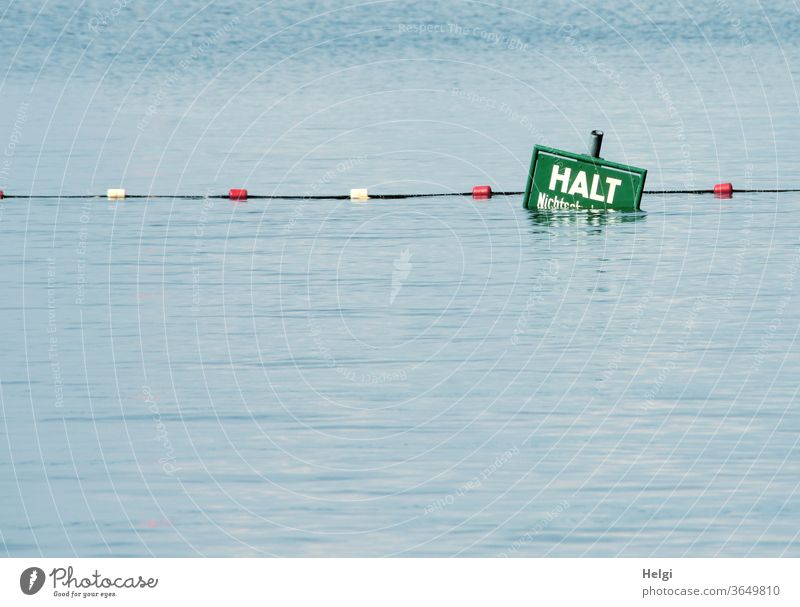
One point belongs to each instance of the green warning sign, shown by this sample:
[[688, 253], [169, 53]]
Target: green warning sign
[[563, 180]]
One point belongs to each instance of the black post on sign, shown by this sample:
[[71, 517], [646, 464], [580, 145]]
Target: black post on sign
[[596, 143]]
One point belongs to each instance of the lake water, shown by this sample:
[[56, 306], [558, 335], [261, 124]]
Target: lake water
[[434, 376]]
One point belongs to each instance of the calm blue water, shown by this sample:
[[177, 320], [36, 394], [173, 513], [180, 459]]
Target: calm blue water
[[434, 376]]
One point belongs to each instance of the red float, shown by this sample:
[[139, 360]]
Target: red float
[[481, 192], [723, 190], [238, 194]]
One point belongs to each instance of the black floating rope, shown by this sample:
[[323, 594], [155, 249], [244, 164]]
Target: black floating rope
[[248, 196], [735, 190]]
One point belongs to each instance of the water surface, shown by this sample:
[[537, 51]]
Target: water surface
[[435, 376]]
